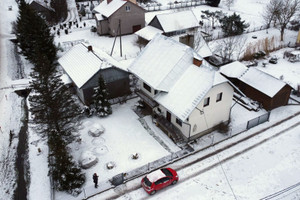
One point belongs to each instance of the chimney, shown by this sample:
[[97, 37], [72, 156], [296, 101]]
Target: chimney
[[90, 48], [108, 1], [197, 61]]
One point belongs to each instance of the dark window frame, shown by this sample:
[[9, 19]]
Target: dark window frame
[[179, 122], [147, 87], [219, 97], [206, 102]]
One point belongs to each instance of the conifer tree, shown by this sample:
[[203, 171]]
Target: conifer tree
[[233, 25], [33, 35], [66, 174], [100, 97]]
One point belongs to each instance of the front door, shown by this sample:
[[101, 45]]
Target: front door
[[168, 116]]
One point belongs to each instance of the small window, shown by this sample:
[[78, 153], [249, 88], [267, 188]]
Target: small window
[[147, 87], [206, 101], [127, 8], [179, 122], [219, 97]]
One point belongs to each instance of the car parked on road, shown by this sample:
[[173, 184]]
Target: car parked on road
[[159, 179]]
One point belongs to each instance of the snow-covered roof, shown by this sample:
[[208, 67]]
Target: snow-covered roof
[[81, 64], [167, 65], [188, 91], [234, 69], [155, 175], [107, 9], [148, 32], [262, 81], [99, 17], [161, 62], [41, 2], [177, 21]]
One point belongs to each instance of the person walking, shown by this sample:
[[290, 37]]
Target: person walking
[[95, 179]]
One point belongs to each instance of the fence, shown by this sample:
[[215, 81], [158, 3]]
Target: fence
[[259, 120], [176, 5]]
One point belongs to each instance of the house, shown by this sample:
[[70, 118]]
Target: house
[[119, 16], [43, 9], [188, 98], [170, 24], [84, 64], [258, 85]]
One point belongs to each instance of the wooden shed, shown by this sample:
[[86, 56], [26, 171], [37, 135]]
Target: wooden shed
[[258, 85]]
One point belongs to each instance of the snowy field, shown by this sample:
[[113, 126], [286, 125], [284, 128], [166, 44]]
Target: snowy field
[[254, 174]]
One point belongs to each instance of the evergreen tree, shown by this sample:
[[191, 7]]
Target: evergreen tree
[[61, 9], [233, 25], [214, 3], [66, 174], [101, 103], [33, 35]]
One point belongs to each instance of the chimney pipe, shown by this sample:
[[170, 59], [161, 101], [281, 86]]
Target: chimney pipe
[[197, 62]]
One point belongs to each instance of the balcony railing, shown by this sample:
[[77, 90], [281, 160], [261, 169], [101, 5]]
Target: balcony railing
[[148, 100], [173, 131]]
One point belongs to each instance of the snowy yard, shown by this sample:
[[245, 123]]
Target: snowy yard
[[259, 172]]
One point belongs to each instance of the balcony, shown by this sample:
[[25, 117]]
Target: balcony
[[173, 132], [148, 100]]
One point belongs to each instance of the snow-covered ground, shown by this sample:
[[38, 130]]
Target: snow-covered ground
[[266, 169]]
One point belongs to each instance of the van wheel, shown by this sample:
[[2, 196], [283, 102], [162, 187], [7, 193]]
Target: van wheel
[[174, 182], [153, 192]]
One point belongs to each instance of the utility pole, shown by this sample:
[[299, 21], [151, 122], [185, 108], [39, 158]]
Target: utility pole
[[120, 38]]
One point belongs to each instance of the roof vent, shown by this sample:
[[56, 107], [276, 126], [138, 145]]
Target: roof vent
[[90, 48]]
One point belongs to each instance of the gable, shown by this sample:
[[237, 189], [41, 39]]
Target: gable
[[155, 23]]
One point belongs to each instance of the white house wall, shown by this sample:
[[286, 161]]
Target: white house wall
[[204, 118], [141, 87]]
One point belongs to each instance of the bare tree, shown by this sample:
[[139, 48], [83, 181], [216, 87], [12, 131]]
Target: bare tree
[[281, 12], [231, 47], [229, 3]]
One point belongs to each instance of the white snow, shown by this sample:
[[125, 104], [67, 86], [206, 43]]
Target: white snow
[[155, 175], [148, 32], [107, 9], [262, 81], [177, 21], [234, 69]]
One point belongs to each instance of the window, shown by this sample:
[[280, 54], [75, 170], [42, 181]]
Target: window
[[206, 101], [219, 97], [127, 8], [147, 87], [179, 122]]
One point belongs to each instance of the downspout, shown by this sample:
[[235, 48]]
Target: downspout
[[189, 130]]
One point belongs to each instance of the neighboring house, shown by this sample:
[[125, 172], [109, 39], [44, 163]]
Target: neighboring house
[[118, 16], [84, 64], [43, 9], [170, 24], [187, 97], [258, 85]]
